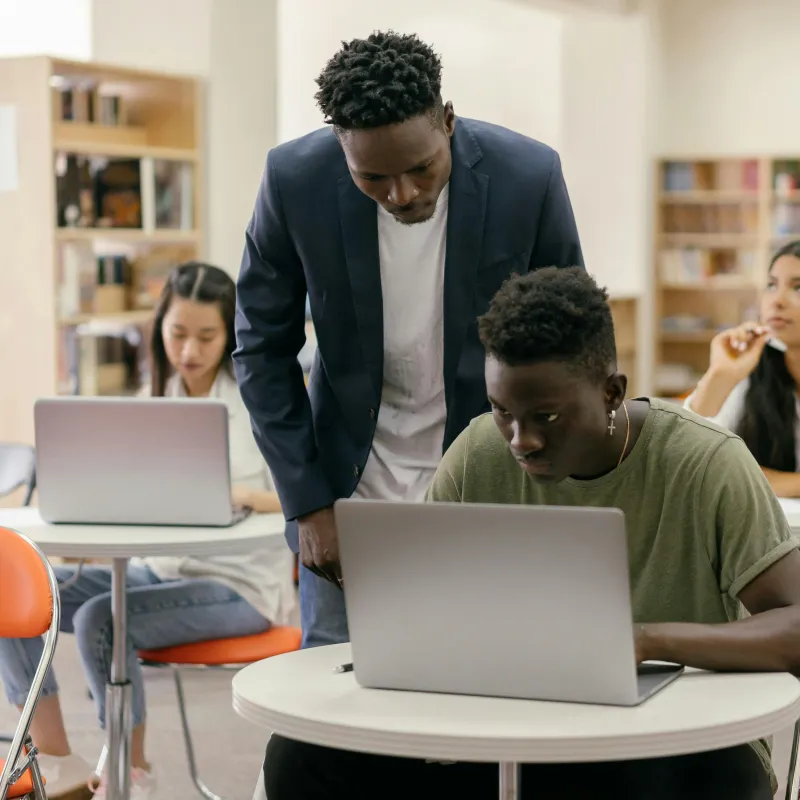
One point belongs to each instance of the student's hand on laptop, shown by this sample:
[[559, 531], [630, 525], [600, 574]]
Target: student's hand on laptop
[[645, 642], [319, 545], [241, 497]]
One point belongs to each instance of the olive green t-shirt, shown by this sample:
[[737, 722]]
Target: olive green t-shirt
[[701, 518]]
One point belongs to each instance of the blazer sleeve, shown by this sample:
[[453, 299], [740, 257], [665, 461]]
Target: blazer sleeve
[[557, 242], [270, 332]]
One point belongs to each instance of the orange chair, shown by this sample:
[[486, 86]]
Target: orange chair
[[29, 606], [233, 653]]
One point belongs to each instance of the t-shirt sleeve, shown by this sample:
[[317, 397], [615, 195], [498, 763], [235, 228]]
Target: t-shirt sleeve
[[751, 530], [448, 481]]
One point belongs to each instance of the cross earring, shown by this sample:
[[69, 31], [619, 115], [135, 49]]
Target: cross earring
[[611, 427]]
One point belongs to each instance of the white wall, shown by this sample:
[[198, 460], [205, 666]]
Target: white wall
[[605, 148], [168, 35], [230, 43], [501, 59], [242, 119], [731, 72], [55, 27]]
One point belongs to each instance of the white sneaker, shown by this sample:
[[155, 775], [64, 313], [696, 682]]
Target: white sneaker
[[64, 774], [143, 786]]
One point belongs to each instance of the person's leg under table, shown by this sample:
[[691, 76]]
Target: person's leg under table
[[157, 614], [298, 771], [323, 616]]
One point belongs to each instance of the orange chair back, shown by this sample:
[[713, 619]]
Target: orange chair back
[[26, 603]]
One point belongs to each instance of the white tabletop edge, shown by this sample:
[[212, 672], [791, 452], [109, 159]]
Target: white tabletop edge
[[366, 720], [125, 541]]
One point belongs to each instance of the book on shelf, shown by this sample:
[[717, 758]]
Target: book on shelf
[[92, 364], [148, 194], [725, 175], [91, 284], [786, 219], [87, 103], [786, 177], [717, 218], [691, 265]]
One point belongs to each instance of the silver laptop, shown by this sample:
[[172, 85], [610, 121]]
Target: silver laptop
[[503, 601], [133, 461]]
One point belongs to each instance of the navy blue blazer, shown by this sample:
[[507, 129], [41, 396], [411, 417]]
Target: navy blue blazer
[[314, 232]]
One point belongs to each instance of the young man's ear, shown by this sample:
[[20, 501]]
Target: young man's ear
[[616, 388]]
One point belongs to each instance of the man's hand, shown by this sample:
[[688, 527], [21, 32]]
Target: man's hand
[[319, 545], [641, 644]]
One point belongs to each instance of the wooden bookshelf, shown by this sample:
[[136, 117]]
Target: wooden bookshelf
[[625, 312], [108, 199], [718, 221]]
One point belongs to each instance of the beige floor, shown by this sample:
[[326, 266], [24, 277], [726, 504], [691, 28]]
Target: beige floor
[[229, 749]]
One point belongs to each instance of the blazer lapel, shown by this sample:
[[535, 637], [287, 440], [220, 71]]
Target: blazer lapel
[[465, 221], [359, 220]]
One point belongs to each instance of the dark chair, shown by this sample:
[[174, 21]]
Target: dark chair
[[17, 468]]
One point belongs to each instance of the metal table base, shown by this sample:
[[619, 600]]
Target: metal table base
[[119, 693], [510, 780]]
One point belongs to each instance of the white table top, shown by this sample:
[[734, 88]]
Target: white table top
[[791, 508], [299, 696], [123, 541]]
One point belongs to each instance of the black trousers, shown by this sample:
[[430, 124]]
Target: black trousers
[[297, 771]]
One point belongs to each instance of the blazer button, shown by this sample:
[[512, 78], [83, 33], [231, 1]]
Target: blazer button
[[372, 413], [356, 470]]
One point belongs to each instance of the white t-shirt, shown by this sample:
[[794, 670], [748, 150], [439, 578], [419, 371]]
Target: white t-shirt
[[409, 433], [732, 412], [264, 577]]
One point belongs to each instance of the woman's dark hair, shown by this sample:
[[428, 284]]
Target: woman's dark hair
[[201, 283], [770, 406]]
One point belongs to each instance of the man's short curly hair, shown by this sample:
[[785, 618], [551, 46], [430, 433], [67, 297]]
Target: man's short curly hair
[[552, 314], [383, 79]]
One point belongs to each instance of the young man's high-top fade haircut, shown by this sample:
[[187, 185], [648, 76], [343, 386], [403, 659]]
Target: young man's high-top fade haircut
[[551, 315], [381, 80]]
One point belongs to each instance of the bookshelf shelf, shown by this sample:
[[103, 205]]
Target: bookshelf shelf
[[114, 141], [132, 235], [734, 241], [712, 284], [108, 200], [709, 196], [136, 317], [718, 220], [687, 337]]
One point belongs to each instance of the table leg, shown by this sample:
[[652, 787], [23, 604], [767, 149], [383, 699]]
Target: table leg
[[510, 780], [119, 692]]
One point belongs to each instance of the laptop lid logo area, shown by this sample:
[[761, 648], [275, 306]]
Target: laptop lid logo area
[[504, 601], [133, 461]]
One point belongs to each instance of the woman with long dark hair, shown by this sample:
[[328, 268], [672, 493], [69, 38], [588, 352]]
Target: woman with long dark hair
[[752, 381], [172, 601]]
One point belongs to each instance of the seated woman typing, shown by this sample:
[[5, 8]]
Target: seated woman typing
[[751, 387], [707, 539], [171, 600]]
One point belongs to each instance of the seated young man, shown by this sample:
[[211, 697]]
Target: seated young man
[[707, 540]]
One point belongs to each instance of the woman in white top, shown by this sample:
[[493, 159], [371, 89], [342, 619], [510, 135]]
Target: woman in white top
[[751, 383], [171, 601]]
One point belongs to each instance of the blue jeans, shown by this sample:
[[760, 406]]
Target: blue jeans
[[322, 611], [160, 614]]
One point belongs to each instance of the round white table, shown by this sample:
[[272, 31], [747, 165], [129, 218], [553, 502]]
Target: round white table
[[121, 543], [299, 695]]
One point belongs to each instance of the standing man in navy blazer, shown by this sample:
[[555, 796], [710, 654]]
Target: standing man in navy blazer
[[400, 222]]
